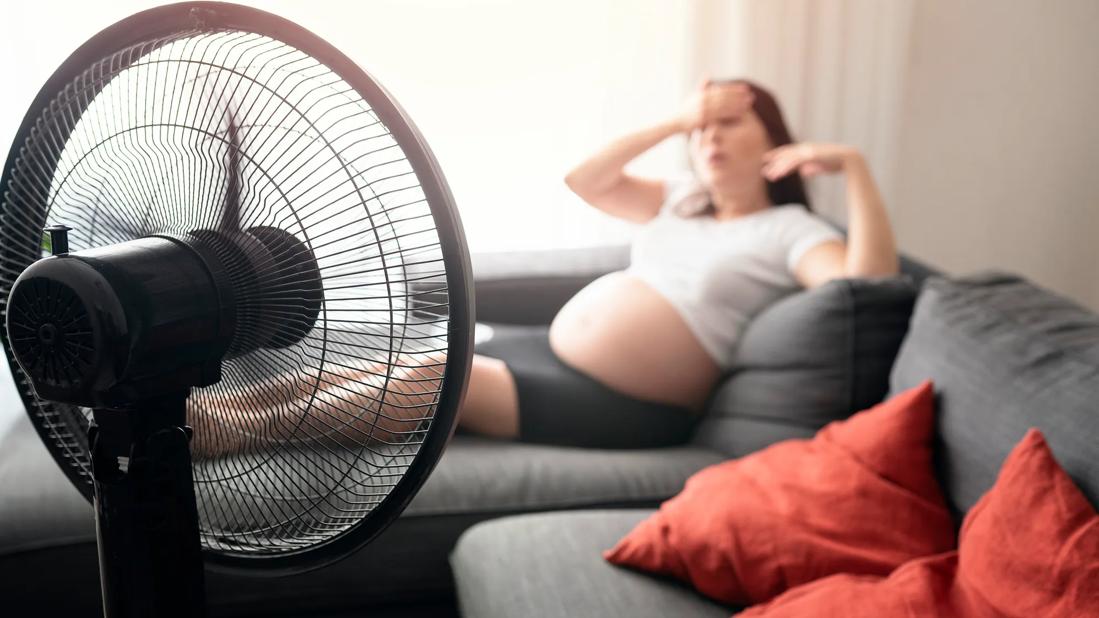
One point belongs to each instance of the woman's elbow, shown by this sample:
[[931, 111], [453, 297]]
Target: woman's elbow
[[580, 185], [891, 267], [886, 268], [573, 182]]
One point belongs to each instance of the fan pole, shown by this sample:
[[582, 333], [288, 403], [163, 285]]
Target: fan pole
[[150, 558]]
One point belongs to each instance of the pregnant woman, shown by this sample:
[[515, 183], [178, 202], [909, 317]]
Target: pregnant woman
[[631, 359]]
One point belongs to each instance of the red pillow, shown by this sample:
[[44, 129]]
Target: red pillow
[[860, 497], [1029, 547]]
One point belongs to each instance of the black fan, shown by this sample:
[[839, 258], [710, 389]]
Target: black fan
[[247, 329]]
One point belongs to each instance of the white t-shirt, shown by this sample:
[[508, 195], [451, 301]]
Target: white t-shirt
[[718, 274]]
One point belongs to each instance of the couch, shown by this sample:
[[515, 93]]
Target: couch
[[1004, 356], [511, 504]]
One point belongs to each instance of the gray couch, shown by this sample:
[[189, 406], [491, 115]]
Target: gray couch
[[1004, 356], [570, 502]]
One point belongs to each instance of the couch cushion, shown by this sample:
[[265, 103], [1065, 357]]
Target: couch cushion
[[550, 564], [478, 475], [1005, 355], [813, 357], [47, 532]]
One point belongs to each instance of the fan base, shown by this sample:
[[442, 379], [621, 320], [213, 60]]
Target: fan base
[[150, 558]]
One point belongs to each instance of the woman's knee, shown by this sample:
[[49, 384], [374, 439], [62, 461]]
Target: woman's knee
[[491, 405]]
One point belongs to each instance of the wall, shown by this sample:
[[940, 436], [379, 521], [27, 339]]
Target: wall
[[999, 147]]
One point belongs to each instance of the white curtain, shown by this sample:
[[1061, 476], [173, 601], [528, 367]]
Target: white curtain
[[837, 68]]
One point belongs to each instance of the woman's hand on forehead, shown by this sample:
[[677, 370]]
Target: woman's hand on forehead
[[712, 101]]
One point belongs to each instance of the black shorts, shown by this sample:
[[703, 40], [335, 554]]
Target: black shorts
[[560, 405]]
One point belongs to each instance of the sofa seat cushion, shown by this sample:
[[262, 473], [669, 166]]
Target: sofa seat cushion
[[479, 475], [47, 531], [550, 564]]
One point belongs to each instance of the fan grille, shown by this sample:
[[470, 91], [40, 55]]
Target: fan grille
[[297, 444]]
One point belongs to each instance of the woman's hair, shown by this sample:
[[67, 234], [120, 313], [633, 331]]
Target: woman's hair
[[788, 189]]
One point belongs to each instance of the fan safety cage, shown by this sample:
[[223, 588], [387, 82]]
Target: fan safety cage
[[295, 446]]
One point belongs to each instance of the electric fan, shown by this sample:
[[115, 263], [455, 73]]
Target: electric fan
[[238, 298]]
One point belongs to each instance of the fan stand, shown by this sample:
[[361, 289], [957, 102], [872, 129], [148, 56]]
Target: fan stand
[[150, 558]]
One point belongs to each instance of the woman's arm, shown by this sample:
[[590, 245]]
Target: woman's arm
[[870, 250], [601, 181]]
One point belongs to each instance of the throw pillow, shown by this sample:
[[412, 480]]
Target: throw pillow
[[1029, 547], [859, 497]]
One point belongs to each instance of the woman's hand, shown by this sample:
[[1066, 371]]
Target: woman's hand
[[870, 250], [712, 101], [807, 159]]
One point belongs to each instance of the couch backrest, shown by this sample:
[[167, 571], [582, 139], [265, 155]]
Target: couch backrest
[[1005, 355], [813, 357], [530, 287]]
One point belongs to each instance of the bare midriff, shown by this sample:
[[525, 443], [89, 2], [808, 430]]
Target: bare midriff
[[624, 334]]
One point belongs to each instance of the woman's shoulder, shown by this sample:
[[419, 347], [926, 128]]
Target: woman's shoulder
[[798, 219], [796, 212]]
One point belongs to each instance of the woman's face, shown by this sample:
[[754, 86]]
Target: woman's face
[[730, 148]]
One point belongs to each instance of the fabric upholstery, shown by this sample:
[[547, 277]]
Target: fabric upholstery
[[1005, 355], [816, 356], [548, 565], [489, 476], [45, 524], [530, 287]]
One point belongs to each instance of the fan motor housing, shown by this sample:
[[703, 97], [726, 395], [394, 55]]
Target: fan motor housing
[[128, 321], [115, 324]]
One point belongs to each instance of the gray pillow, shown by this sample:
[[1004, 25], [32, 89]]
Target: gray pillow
[[813, 357], [1005, 355]]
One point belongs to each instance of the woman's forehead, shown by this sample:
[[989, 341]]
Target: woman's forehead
[[750, 115]]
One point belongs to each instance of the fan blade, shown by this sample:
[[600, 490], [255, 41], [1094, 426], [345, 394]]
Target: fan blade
[[230, 213]]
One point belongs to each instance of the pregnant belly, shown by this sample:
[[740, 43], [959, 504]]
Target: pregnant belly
[[621, 332]]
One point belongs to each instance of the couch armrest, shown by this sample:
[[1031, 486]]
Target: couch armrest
[[530, 287]]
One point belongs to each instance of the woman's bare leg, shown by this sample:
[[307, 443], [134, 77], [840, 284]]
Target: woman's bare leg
[[491, 405], [377, 403], [492, 402]]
